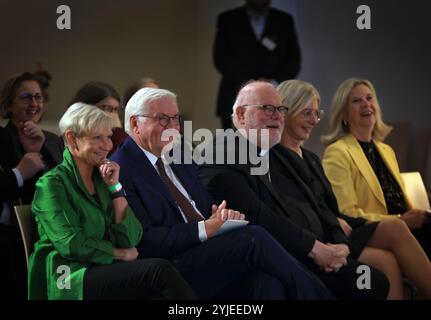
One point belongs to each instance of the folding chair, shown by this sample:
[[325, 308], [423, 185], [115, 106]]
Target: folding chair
[[27, 226]]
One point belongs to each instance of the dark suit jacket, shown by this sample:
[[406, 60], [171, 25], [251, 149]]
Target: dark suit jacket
[[316, 166], [262, 204], [8, 187], [165, 232], [239, 56], [12, 153]]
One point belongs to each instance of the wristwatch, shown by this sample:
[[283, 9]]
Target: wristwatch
[[117, 194]]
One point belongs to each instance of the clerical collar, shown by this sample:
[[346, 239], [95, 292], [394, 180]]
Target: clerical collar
[[263, 152]]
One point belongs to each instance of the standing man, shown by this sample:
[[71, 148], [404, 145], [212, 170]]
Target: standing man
[[182, 224], [253, 42]]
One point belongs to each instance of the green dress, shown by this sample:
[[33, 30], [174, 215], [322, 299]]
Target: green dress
[[76, 230]]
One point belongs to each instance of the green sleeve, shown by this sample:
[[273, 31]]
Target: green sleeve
[[62, 224], [128, 233]]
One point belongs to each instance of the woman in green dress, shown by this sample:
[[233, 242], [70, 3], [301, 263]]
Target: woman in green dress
[[87, 231]]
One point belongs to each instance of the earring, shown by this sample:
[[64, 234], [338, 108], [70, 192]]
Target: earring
[[344, 123]]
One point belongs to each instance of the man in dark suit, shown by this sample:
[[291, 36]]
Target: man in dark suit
[[253, 42], [181, 222], [12, 180], [274, 202]]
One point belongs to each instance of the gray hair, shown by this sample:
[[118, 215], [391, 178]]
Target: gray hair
[[81, 118], [247, 89], [140, 102], [297, 95]]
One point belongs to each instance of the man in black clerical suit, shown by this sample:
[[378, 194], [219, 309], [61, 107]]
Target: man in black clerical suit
[[275, 202]]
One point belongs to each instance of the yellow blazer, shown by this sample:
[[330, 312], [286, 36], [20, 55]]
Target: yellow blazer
[[355, 184]]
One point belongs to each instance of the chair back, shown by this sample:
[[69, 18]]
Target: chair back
[[415, 190], [27, 225]]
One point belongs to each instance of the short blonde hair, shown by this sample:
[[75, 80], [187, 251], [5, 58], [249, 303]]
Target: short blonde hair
[[337, 129], [81, 119], [297, 95]]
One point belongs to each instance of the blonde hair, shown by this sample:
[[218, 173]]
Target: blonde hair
[[81, 119], [337, 129], [297, 95]]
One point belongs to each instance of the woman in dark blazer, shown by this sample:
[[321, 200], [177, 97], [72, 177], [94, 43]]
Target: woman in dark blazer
[[22, 102], [27, 151], [387, 245]]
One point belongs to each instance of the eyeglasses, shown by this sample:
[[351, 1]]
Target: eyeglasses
[[163, 119], [28, 97], [308, 114], [110, 109], [269, 109]]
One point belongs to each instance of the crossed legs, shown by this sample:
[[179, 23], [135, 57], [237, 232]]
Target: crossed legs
[[393, 237], [221, 261]]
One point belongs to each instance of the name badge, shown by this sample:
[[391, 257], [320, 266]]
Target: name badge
[[268, 43]]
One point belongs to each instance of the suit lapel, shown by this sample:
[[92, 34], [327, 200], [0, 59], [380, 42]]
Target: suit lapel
[[314, 166], [365, 168], [392, 166], [264, 180], [189, 185], [318, 170], [51, 148], [14, 136], [295, 176], [268, 30], [146, 171], [247, 25]]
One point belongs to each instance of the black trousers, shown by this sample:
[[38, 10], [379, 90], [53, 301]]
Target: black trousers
[[13, 268], [344, 283], [423, 236], [251, 260], [139, 279]]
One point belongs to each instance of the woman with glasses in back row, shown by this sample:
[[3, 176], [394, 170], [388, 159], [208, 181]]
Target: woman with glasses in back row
[[26, 151], [105, 97]]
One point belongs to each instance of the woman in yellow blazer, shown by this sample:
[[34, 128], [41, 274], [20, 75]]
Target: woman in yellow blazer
[[374, 243], [363, 171]]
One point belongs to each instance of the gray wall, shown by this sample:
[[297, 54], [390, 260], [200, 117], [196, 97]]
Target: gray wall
[[171, 40], [110, 40]]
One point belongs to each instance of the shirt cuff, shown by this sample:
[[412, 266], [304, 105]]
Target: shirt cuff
[[202, 232], [19, 178]]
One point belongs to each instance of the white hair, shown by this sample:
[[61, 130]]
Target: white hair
[[140, 102], [81, 118], [247, 89]]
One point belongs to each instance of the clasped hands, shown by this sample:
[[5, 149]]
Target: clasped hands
[[329, 257]]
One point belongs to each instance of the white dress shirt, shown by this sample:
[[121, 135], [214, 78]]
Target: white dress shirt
[[170, 173]]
